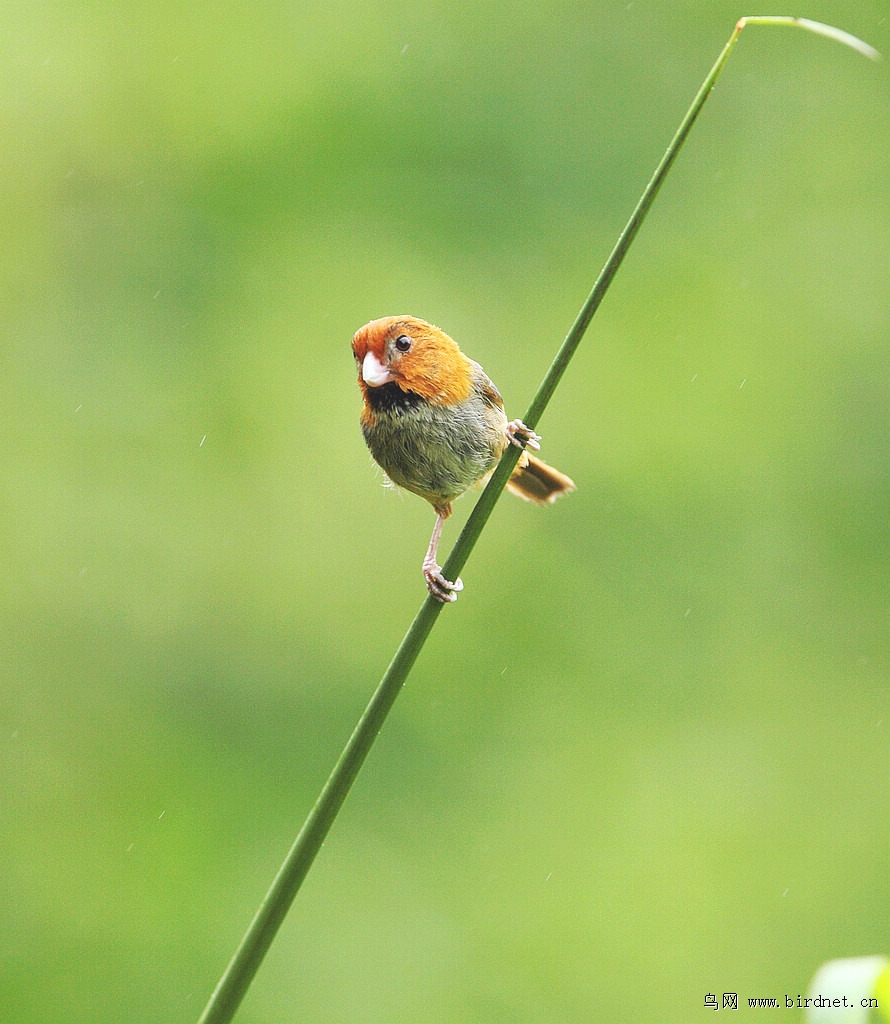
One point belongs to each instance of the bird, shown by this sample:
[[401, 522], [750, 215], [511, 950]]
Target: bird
[[435, 423]]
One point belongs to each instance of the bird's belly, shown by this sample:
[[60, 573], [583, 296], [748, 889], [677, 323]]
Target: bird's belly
[[437, 452]]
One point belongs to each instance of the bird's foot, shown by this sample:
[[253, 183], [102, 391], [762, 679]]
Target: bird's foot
[[522, 436], [442, 590]]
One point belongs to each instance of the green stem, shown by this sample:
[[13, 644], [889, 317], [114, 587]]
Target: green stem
[[258, 937], [240, 972]]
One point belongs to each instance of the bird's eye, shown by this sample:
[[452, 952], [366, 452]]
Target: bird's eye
[[403, 343]]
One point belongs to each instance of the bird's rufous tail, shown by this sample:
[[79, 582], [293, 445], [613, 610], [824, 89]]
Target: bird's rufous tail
[[538, 482]]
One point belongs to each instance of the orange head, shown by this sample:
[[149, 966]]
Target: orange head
[[415, 356]]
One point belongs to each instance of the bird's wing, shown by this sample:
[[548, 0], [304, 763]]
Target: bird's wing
[[485, 388]]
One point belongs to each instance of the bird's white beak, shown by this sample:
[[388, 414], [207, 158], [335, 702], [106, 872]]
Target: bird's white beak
[[374, 372]]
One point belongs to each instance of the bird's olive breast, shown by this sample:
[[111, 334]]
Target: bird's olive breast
[[436, 451]]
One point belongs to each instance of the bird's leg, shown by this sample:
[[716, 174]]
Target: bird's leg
[[442, 590], [523, 436]]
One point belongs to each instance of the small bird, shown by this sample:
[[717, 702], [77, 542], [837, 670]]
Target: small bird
[[436, 425]]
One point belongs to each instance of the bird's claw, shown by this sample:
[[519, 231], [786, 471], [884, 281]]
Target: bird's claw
[[523, 436], [442, 590]]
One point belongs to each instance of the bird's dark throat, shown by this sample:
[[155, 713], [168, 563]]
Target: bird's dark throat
[[390, 398]]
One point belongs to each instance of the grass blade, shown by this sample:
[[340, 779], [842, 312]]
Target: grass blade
[[229, 992]]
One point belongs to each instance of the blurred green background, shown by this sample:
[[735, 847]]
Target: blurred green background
[[645, 757]]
